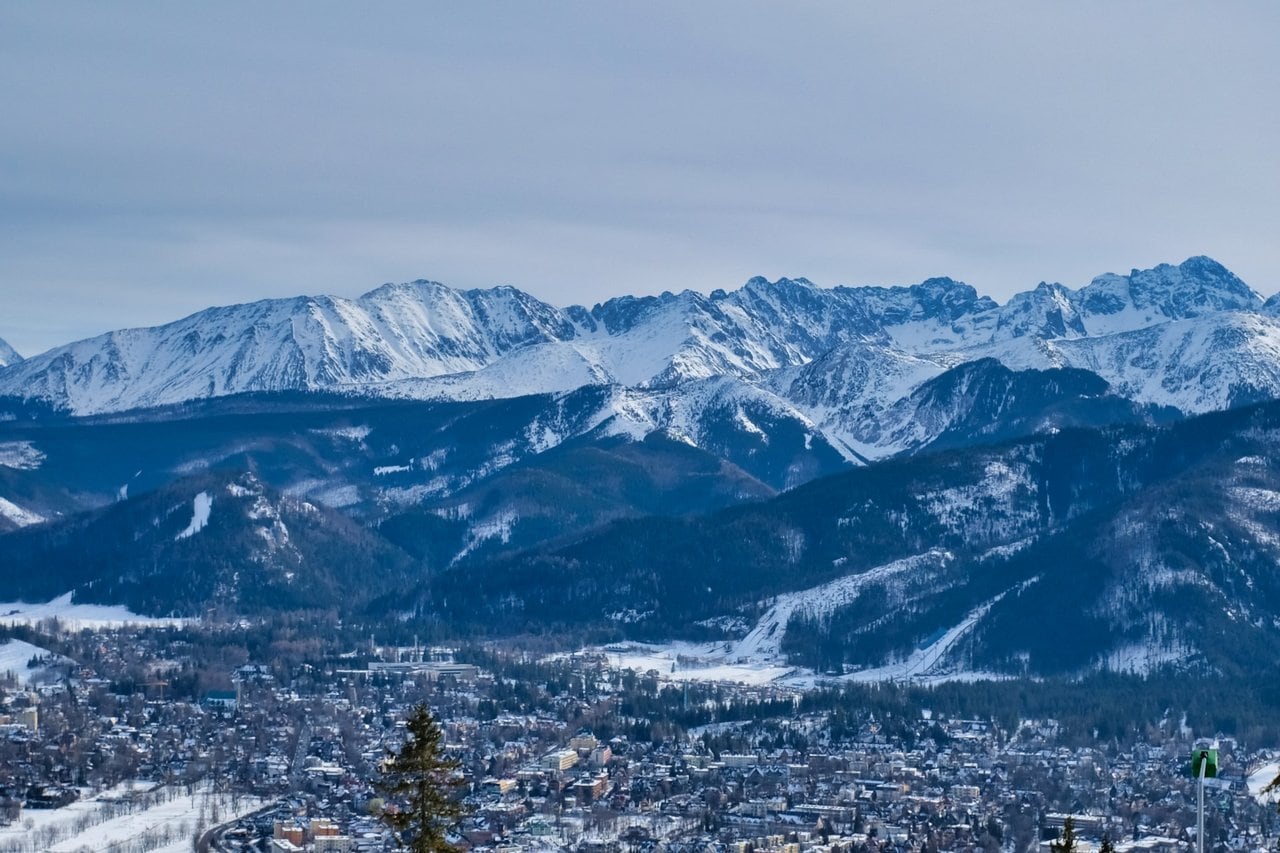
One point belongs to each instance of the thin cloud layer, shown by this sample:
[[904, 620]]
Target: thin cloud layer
[[162, 159]]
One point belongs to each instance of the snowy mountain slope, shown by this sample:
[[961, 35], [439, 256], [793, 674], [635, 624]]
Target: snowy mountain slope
[[763, 643], [846, 392], [1187, 337], [1179, 574], [379, 459], [29, 664], [842, 363], [877, 402], [760, 653], [565, 491], [1198, 286], [214, 540], [424, 331], [1141, 547], [540, 368], [416, 330], [984, 401], [746, 426], [14, 516], [8, 355], [1194, 365]]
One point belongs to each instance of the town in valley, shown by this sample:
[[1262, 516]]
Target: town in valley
[[254, 737]]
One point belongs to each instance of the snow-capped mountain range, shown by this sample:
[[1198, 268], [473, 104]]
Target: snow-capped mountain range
[[683, 466], [843, 362]]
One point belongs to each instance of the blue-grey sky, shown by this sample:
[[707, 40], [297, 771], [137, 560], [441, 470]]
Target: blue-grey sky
[[158, 158]]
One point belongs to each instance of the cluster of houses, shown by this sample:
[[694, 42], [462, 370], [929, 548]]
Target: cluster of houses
[[569, 767]]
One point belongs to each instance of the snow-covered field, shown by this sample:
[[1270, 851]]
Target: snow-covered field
[[160, 820], [14, 656], [74, 617], [679, 661], [1261, 778]]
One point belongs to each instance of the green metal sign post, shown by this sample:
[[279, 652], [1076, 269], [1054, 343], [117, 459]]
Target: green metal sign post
[[1206, 760], [1204, 765]]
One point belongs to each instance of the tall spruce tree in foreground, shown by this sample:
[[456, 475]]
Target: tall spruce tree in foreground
[[418, 782], [1066, 842]]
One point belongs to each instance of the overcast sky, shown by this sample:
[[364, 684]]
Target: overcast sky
[[156, 159]]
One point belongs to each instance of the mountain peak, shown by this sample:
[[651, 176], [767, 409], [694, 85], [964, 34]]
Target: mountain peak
[[783, 283], [1205, 265], [8, 355], [945, 298], [1206, 270], [398, 286], [944, 282], [1199, 285]]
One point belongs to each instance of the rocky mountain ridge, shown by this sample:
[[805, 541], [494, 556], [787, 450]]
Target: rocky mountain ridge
[[1190, 338]]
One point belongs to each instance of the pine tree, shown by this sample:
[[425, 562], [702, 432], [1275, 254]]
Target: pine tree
[[420, 782], [1066, 842], [1107, 846]]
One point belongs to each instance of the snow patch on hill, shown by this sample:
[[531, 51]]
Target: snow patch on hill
[[19, 516], [356, 434], [20, 455], [201, 507], [680, 661], [931, 661], [496, 527], [764, 642], [535, 369]]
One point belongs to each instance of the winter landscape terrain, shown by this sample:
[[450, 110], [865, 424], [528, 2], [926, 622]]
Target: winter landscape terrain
[[902, 536], [768, 471]]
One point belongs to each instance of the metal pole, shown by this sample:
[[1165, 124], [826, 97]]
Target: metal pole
[[1200, 807]]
